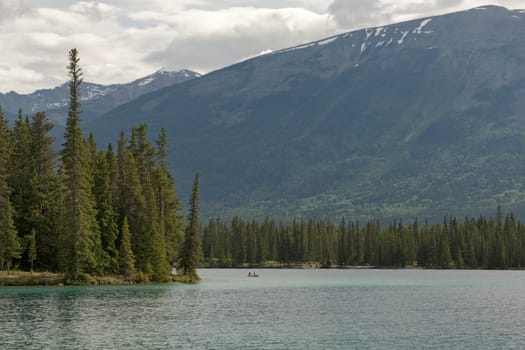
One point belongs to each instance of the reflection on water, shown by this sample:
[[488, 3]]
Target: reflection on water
[[282, 309]]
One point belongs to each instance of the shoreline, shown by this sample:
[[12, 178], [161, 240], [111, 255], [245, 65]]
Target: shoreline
[[18, 278], [49, 279]]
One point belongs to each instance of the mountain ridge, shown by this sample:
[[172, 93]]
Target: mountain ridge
[[97, 99], [415, 118]]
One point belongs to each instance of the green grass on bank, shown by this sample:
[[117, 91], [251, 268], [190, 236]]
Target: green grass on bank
[[24, 278]]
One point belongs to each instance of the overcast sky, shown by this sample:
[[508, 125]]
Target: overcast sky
[[121, 40]]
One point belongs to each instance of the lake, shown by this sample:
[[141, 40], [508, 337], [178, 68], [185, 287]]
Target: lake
[[281, 309]]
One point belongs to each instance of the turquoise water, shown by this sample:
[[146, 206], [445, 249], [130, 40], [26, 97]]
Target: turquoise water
[[282, 309]]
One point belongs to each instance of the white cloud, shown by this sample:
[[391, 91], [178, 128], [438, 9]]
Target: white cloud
[[120, 40], [95, 11], [209, 40], [21, 74]]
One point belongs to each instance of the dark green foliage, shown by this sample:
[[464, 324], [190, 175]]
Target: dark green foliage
[[474, 243], [32, 251], [191, 255], [45, 187], [126, 258], [168, 205], [147, 197], [80, 236], [21, 176], [95, 190], [105, 215], [9, 242], [34, 186], [67, 214]]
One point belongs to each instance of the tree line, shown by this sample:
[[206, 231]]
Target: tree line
[[483, 242], [84, 211]]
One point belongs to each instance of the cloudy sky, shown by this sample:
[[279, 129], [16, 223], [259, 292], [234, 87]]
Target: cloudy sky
[[121, 40]]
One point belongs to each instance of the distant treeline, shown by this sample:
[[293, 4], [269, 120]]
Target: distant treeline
[[482, 242]]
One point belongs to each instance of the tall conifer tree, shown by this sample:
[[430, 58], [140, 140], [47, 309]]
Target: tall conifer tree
[[21, 171], [105, 214], [191, 252], [9, 243], [46, 191], [80, 234], [126, 257], [168, 205], [131, 203]]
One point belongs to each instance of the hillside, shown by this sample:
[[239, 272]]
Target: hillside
[[424, 117]]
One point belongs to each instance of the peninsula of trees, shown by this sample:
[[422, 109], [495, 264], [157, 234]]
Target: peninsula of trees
[[83, 211]]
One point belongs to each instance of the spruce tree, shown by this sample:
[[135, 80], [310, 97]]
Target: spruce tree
[[132, 204], [126, 257], [32, 251], [191, 252], [105, 214], [9, 242], [21, 176], [80, 234], [45, 187], [111, 162], [168, 205], [154, 242]]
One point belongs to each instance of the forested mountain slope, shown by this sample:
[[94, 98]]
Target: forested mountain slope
[[424, 117]]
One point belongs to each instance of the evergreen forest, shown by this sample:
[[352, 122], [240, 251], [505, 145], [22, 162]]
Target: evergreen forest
[[483, 242], [86, 211]]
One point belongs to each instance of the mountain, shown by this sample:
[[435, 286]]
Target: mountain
[[96, 99], [425, 117]]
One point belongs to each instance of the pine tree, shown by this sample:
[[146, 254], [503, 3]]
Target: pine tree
[[238, 229], [32, 252], [169, 208], [460, 264], [46, 191], [154, 242], [126, 257], [80, 234], [191, 252], [132, 204], [105, 214], [342, 252], [20, 180], [9, 242]]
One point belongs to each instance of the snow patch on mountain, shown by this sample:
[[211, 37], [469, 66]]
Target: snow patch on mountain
[[364, 46], [400, 41], [262, 53], [418, 30], [304, 46], [93, 91], [327, 41], [368, 32], [146, 81]]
